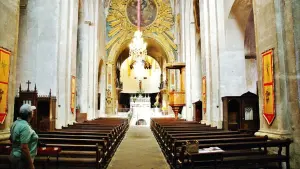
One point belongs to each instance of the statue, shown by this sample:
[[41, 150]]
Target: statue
[[140, 85], [156, 104]]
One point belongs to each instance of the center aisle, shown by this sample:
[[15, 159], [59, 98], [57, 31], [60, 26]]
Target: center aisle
[[138, 150]]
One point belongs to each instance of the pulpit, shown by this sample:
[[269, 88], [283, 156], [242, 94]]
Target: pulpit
[[177, 98]]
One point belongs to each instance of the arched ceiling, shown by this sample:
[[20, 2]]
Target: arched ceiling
[[241, 10], [153, 49]]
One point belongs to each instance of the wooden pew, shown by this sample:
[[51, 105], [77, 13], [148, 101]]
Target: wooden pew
[[86, 145], [241, 148], [241, 154]]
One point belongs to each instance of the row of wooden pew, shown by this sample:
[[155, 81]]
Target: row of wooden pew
[[82, 145], [217, 148]]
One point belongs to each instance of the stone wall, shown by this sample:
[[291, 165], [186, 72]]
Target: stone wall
[[9, 40]]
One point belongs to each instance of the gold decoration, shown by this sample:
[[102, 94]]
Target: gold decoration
[[122, 27]]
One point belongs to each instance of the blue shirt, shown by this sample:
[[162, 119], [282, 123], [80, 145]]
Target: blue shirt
[[22, 133]]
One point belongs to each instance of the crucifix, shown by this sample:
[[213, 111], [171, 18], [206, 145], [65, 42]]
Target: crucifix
[[3, 64], [28, 83], [1, 93]]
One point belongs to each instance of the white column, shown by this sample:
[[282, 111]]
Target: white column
[[215, 111], [83, 56], [72, 45], [190, 45], [205, 48], [222, 49], [91, 61], [62, 104]]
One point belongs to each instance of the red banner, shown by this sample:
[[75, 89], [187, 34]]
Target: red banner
[[4, 77], [268, 86], [73, 93], [204, 94]]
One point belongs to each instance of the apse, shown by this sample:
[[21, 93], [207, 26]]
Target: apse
[[141, 77]]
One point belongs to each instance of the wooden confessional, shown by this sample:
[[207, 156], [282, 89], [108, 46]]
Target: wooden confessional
[[45, 114], [241, 112]]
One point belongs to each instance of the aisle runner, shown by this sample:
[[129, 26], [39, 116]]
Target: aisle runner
[[138, 150]]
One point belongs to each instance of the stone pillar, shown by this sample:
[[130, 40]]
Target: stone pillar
[[282, 35], [63, 106], [83, 57], [205, 49], [187, 112], [295, 114], [91, 61], [271, 33], [9, 40], [190, 65], [72, 45]]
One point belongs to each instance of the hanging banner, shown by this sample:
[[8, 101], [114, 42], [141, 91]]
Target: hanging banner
[[4, 77], [268, 86], [73, 93], [204, 94]]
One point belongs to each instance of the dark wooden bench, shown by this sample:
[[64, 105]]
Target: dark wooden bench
[[243, 154]]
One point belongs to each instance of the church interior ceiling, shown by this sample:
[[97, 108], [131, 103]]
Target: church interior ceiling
[[156, 18]]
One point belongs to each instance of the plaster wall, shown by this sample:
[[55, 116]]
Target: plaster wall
[[9, 40]]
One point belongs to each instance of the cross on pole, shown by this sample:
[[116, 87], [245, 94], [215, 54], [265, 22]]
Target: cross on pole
[[28, 83]]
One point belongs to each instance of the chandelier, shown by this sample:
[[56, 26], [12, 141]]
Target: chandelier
[[138, 48]]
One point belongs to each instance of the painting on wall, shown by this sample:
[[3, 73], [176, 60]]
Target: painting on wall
[[4, 77], [148, 12], [268, 86]]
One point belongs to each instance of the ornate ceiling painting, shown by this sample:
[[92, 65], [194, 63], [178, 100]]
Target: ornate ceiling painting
[[156, 21]]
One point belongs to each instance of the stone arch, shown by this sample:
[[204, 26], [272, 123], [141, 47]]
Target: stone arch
[[117, 48], [196, 15], [240, 12]]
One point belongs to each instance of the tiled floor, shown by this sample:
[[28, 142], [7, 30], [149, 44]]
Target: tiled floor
[[138, 150]]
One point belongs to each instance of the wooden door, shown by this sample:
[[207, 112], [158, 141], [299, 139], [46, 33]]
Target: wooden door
[[234, 108], [249, 112], [198, 111]]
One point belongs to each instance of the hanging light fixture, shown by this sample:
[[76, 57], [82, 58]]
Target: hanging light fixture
[[138, 48]]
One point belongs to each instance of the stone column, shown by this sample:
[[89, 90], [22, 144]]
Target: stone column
[[82, 57], [91, 61], [205, 49], [63, 65], [187, 112], [274, 34], [72, 45], [9, 40]]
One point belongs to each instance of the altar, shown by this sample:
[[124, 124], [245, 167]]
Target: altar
[[141, 109]]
